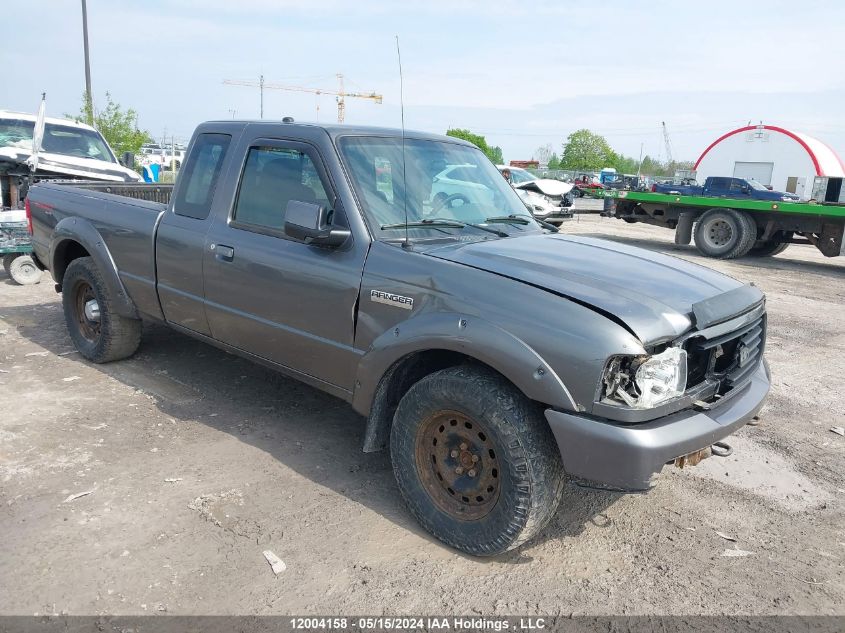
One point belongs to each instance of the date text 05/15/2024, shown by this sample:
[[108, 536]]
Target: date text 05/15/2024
[[416, 623]]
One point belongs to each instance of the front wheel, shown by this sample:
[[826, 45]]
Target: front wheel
[[475, 460], [98, 332]]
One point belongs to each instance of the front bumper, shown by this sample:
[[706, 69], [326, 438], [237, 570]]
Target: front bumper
[[630, 457]]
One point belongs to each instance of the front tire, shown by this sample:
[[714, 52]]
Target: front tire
[[475, 460], [98, 332]]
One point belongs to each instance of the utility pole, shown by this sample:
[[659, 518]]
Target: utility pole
[[88, 94], [261, 85], [640, 163]]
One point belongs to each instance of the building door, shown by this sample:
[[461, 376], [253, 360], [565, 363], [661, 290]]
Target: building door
[[761, 172]]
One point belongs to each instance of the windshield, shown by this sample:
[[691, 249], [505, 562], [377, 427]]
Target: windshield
[[519, 176], [445, 181], [58, 139], [758, 186]]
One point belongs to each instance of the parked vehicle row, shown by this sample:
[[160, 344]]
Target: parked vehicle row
[[495, 358]]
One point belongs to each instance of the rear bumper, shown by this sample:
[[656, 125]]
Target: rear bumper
[[630, 457]]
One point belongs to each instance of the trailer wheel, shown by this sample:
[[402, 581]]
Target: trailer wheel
[[768, 248], [725, 233], [23, 271], [475, 460], [97, 331]]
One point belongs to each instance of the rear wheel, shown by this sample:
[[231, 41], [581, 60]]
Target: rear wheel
[[23, 270], [475, 460], [725, 233], [767, 248], [97, 331]]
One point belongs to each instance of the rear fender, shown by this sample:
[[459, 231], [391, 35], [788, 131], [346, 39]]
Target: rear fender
[[467, 335], [81, 231]]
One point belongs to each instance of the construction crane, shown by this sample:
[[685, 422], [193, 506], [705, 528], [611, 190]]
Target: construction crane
[[668, 144], [340, 94]]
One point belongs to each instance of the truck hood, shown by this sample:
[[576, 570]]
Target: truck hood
[[547, 186], [650, 293], [774, 195], [60, 164]]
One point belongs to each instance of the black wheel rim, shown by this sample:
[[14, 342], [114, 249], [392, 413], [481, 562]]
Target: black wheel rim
[[88, 328], [458, 465]]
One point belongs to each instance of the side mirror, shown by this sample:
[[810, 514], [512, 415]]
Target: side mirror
[[127, 159], [309, 223], [746, 189]]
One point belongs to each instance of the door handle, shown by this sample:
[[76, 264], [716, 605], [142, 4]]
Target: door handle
[[223, 253]]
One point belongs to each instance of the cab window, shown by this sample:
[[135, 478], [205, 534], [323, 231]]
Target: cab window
[[272, 177], [202, 172]]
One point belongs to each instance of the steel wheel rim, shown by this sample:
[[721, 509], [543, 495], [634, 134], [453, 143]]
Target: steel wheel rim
[[27, 270], [89, 328], [458, 465], [718, 233]]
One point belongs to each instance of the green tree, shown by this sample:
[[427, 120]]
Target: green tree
[[118, 126], [554, 161], [626, 164], [586, 150], [493, 153]]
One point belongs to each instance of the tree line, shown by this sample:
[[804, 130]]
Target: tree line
[[583, 150]]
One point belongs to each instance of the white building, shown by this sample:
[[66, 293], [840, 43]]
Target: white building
[[785, 160]]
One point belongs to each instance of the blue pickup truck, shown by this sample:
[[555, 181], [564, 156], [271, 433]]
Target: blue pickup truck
[[723, 187]]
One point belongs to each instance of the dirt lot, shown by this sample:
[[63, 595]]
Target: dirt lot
[[197, 461]]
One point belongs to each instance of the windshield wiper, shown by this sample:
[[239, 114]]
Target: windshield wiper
[[522, 219], [443, 222], [510, 219]]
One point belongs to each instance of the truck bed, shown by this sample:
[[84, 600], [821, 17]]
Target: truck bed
[[120, 213]]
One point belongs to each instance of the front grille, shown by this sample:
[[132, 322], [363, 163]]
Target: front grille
[[729, 359]]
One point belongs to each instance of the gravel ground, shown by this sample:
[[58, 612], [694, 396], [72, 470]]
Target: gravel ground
[[193, 462]]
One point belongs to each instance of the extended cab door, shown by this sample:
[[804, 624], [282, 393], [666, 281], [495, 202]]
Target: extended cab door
[[180, 238], [273, 296]]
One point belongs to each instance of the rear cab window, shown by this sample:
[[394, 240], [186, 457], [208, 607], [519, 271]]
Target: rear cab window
[[202, 172]]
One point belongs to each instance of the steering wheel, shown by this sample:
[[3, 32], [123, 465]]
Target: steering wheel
[[439, 203]]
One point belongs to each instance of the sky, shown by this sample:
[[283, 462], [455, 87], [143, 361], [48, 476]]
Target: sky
[[524, 74]]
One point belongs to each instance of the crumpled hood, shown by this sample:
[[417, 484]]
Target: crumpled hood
[[651, 293], [73, 165], [547, 186]]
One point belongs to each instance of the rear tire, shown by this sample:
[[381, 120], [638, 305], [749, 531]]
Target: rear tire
[[475, 460], [23, 270], [768, 248], [98, 332], [725, 233]]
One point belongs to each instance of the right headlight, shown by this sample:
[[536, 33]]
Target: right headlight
[[644, 382]]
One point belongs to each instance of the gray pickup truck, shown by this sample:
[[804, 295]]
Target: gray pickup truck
[[497, 358]]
